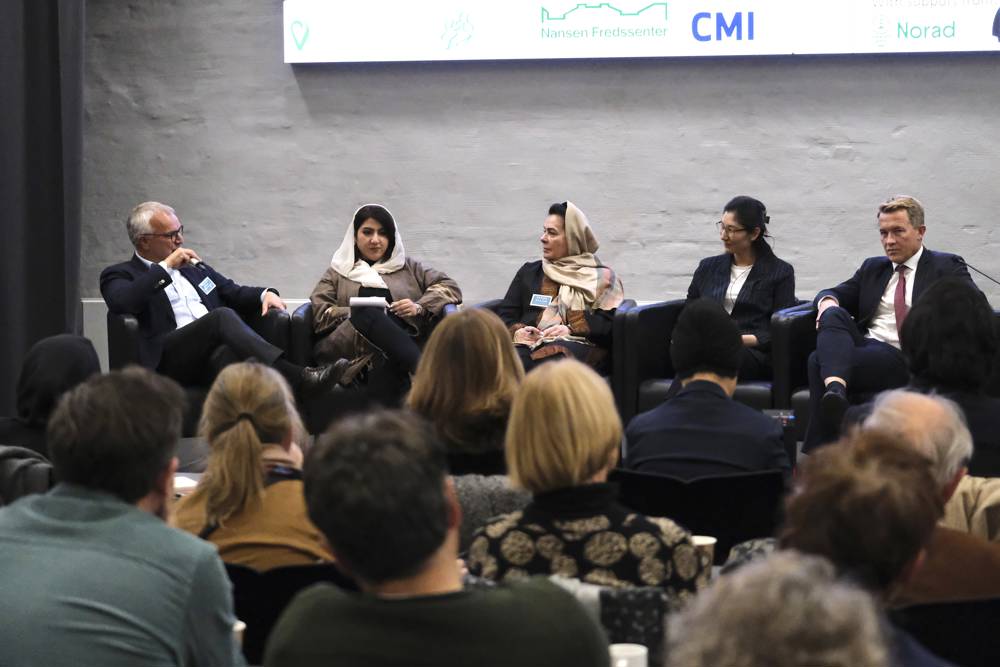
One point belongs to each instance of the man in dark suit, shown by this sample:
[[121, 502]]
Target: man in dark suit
[[187, 310], [857, 344], [702, 431]]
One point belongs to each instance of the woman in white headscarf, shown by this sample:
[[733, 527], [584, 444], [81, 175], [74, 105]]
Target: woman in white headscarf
[[371, 262], [563, 304]]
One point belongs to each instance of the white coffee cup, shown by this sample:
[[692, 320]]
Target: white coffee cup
[[239, 627], [629, 655]]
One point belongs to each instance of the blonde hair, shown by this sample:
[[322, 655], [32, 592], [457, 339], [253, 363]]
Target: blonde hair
[[468, 369], [914, 209], [563, 427], [248, 405]]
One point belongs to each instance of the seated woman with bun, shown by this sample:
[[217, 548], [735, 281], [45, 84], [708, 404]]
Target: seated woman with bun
[[249, 502], [371, 262], [464, 385], [748, 280], [563, 305], [562, 440]]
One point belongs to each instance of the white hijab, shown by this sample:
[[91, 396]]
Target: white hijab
[[360, 271]]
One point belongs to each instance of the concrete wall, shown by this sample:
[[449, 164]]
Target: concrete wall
[[188, 102]]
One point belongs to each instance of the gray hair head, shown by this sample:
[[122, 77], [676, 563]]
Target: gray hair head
[[137, 223], [931, 424], [787, 610]]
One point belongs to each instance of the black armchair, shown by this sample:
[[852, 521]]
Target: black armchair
[[731, 508], [123, 349], [260, 597], [643, 363]]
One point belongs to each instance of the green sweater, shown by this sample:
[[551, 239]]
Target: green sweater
[[526, 624]]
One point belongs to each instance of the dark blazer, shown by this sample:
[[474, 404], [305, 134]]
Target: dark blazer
[[130, 288], [770, 286], [860, 295], [702, 432], [516, 306]]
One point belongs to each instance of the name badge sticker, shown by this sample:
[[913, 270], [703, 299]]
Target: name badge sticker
[[540, 301], [206, 286]]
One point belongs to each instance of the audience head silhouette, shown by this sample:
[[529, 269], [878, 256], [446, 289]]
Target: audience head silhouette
[[869, 504], [949, 337], [117, 433], [467, 377], [705, 340], [788, 610], [249, 406], [933, 426], [377, 488], [564, 429]]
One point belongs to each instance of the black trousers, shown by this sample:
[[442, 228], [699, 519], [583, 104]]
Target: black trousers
[[383, 331], [867, 365], [195, 353]]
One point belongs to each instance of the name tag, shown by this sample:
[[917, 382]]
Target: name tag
[[206, 286], [540, 301]]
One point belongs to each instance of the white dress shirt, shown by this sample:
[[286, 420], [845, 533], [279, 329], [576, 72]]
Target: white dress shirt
[[184, 298], [737, 276], [883, 326]]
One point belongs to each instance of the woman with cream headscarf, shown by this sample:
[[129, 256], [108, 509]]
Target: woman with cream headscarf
[[563, 304], [371, 262]]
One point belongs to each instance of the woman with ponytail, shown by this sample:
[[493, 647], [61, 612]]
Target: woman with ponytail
[[249, 502]]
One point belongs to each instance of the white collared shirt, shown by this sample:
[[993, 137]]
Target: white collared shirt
[[737, 277], [883, 326], [184, 298]]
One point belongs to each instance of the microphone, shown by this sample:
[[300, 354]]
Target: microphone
[[197, 263], [985, 275]]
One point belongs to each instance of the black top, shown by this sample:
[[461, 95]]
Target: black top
[[860, 295], [702, 432], [132, 288], [516, 307], [583, 533], [769, 287]]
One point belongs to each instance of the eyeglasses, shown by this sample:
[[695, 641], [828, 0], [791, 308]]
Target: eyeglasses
[[728, 231], [170, 235]]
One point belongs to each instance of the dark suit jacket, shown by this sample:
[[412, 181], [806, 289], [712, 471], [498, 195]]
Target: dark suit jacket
[[770, 286], [516, 306], [702, 432], [860, 295], [132, 289]]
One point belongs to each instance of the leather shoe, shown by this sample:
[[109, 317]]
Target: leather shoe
[[832, 408], [320, 379]]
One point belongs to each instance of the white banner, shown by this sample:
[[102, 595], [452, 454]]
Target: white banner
[[415, 30]]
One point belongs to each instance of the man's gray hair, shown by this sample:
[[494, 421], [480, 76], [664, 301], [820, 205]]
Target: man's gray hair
[[787, 610], [137, 223], [941, 435]]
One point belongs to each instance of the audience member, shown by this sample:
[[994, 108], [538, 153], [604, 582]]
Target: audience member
[[371, 261], [562, 440], [52, 367], [786, 611], [90, 574], [748, 280], [464, 385], [857, 344], [701, 431], [563, 304], [249, 502], [187, 311], [957, 566], [869, 505], [378, 489]]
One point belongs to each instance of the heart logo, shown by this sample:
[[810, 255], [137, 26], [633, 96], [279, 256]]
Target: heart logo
[[300, 33]]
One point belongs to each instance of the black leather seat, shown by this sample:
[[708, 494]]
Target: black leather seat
[[956, 631], [123, 349], [646, 372], [731, 508], [260, 597]]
